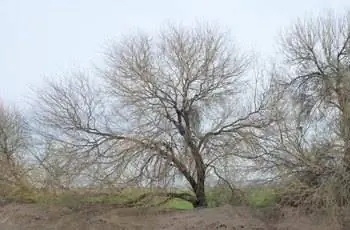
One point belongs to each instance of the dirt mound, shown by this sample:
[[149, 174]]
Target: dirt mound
[[35, 217]]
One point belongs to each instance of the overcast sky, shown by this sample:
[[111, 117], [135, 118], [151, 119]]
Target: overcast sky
[[51, 37]]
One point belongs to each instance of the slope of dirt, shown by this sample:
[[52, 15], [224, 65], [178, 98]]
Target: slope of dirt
[[35, 217]]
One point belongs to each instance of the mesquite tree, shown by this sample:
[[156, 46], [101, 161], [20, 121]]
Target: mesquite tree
[[176, 104]]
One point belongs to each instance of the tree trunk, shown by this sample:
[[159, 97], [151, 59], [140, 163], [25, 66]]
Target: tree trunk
[[346, 158], [199, 191]]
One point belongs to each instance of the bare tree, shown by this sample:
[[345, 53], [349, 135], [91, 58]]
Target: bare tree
[[316, 51], [176, 104], [13, 142], [308, 146]]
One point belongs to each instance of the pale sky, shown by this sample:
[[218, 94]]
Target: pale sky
[[51, 37]]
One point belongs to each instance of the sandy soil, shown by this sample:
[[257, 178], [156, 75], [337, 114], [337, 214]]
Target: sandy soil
[[35, 217]]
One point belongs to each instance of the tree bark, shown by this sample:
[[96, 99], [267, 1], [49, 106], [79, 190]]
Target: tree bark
[[199, 191], [201, 200]]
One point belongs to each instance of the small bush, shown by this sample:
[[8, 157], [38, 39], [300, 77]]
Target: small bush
[[329, 198], [261, 196], [221, 195]]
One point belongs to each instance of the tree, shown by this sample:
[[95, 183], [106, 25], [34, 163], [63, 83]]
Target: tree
[[308, 147], [317, 51], [177, 104], [13, 142]]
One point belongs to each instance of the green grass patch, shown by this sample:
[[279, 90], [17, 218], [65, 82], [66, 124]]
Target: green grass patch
[[178, 204], [258, 196], [74, 200]]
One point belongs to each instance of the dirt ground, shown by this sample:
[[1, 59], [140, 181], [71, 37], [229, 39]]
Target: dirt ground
[[35, 217]]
